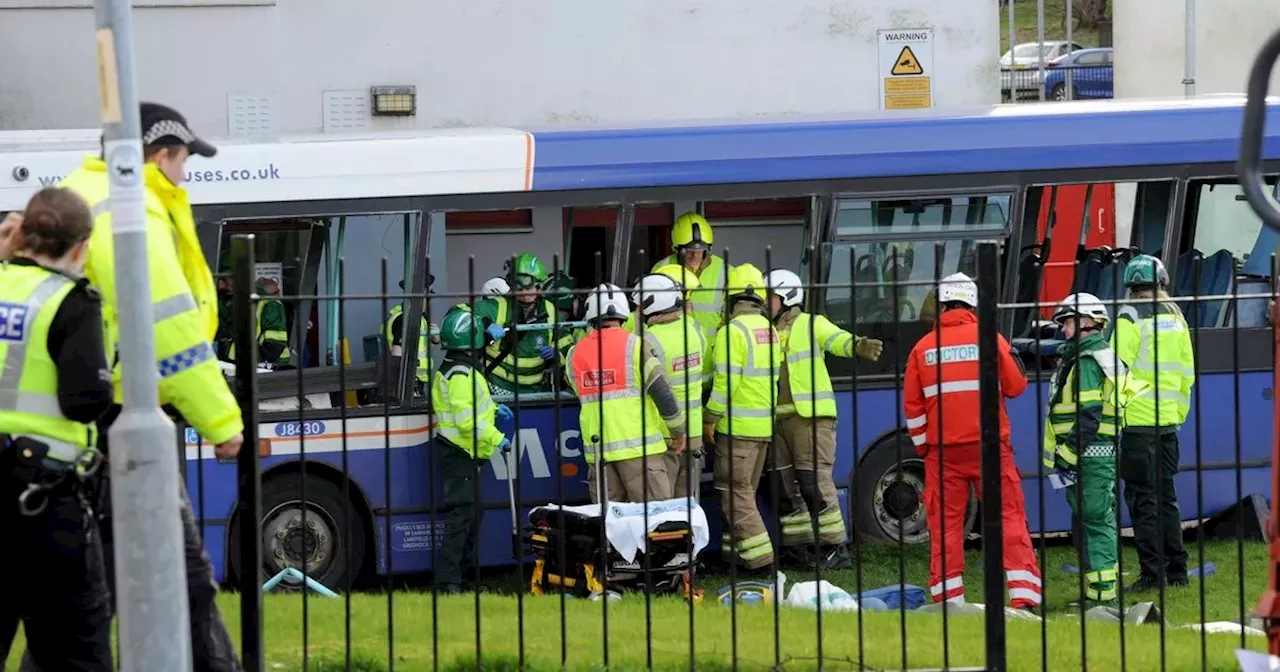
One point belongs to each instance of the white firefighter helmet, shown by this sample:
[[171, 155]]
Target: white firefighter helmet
[[657, 294], [958, 288], [786, 285], [607, 301]]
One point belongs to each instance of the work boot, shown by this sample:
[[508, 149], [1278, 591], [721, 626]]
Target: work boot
[[799, 557], [1144, 584], [836, 556]]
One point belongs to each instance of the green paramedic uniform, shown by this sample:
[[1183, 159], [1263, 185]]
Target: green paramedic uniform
[[523, 368]]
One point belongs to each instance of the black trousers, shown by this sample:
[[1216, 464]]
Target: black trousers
[[211, 645], [462, 514], [52, 579], [1148, 463]]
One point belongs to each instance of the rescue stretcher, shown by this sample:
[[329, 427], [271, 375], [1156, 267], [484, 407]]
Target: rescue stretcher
[[566, 544]]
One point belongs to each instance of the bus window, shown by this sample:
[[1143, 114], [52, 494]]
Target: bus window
[[591, 230], [1228, 247], [743, 229], [1083, 237], [886, 256]]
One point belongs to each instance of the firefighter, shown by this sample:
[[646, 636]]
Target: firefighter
[[626, 400], [804, 435], [738, 417], [679, 344], [55, 383], [186, 318], [466, 436], [943, 417], [691, 237], [393, 331], [1153, 339], [519, 360], [686, 279], [1081, 435]]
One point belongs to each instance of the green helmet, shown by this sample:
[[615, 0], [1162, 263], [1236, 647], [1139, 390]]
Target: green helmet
[[1145, 270], [560, 291], [460, 330], [525, 271]]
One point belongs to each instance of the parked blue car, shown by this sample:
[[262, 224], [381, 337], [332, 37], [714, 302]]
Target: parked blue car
[[1080, 75]]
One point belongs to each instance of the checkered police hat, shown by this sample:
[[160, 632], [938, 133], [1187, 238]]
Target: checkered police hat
[[163, 125]]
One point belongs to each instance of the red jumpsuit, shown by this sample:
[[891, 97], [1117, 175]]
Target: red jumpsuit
[[948, 435]]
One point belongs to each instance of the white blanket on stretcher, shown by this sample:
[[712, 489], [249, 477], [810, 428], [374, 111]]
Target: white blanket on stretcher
[[624, 523]]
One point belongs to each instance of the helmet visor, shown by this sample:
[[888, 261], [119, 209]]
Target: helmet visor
[[523, 281]]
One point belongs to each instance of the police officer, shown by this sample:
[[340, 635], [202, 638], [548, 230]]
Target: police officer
[[1082, 431], [691, 236], [626, 400], [804, 438], [677, 340], [466, 436], [520, 359], [738, 417], [1152, 337], [55, 382], [186, 318]]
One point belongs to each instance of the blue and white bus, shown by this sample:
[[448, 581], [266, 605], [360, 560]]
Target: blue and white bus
[[930, 185]]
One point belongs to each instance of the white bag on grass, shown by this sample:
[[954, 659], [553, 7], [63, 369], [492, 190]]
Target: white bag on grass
[[807, 594]]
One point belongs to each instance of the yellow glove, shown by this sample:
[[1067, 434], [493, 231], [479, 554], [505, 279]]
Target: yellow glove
[[869, 348]]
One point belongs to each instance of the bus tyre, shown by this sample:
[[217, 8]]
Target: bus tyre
[[317, 542], [889, 504]]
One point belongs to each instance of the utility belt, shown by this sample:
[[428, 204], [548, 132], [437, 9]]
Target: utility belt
[[43, 465]]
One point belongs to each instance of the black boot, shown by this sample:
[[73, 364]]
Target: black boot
[[804, 556], [836, 556]]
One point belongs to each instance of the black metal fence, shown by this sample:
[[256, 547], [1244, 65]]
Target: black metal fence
[[541, 575], [1057, 82]]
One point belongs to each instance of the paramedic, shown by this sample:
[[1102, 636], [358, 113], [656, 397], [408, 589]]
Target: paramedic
[[1082, 430], [393, 332], [273, 330], [55, 383], [466, 436], [1153, 339], [679, 344], [691, 237], [519, 360], [942, 409], [186, 317], [738, 417], [804, 433], [613, 372]]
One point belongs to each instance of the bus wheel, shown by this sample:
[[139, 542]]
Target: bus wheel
[[317, 542], [890, 505]]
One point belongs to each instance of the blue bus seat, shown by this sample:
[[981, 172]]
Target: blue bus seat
[[1030, 269], [1184, 280], [374, 345], [1217, 276]]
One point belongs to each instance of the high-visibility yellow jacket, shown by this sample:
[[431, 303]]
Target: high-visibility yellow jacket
[[464, 411], [680, 347], [1156, 344], [184, 300], [424, 330], [708, 299], [808, 392], [29, 300], [748, 363]]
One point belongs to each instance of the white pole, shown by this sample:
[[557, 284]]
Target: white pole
[[1040, 39], [1189, 52], [151, 586]]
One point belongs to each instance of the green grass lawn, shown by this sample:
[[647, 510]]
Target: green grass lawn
[[444, 629], [1025, 26]]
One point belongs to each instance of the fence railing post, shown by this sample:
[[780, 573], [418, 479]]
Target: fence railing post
[[989, 393], [248, 481]]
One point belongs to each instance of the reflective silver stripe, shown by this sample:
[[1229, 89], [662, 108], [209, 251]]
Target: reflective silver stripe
[[829, 344], [15, 358], [750, 413], [743, 370], [1145, 365], [34, 403], [813, 397], [952, 386], [1023, 576], [614, 446], [918, 439], [1111, 365], [718, 397], [101, 208], [917, 421], [176, 305], [948, 585], [1150, 393], [802, 356], [703, 307], [627, 393]]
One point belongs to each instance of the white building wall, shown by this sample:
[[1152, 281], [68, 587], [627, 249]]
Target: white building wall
[[1149, 44], [490, 62]]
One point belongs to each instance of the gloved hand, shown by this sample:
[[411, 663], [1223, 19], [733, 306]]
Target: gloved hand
[[495, 331], [504, 413], [505, 446], [869, 348], [547, 352]]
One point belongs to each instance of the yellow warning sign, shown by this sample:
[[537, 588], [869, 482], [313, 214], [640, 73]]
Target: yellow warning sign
[[907, 63], [907, 85]]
